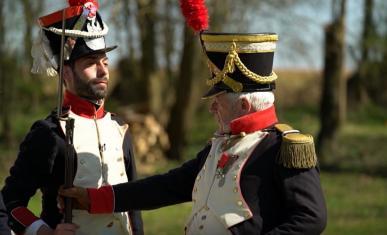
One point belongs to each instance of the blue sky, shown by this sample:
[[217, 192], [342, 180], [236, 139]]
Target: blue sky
[[300, 30]]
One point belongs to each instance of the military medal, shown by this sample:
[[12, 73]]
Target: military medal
[[224, 164]]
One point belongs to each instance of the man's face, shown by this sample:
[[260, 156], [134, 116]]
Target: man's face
[[224, 110], [90, 77]]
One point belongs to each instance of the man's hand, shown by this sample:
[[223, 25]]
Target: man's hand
[[61, 229], [80, 196]]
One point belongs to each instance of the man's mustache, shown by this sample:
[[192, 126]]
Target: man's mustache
[[98, 80]]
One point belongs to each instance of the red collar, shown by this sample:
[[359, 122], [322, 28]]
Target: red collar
[[254, 122], [82, 107]]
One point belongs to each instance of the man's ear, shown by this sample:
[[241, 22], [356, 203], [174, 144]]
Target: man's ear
[[67, 74], [245, 105]]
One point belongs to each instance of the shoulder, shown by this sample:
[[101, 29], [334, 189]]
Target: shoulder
[[297, 149], [44, 131], [117, 119]]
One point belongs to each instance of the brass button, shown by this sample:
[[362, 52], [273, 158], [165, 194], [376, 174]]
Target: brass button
[[235, 177], [204, 167], [235, 189], [198, 177], [122, 173], [240, 203]]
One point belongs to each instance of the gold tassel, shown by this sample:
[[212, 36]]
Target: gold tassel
[[297, 150]]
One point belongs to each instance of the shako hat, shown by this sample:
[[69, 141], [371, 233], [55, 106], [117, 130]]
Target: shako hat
[[239, 62], [84, 32]]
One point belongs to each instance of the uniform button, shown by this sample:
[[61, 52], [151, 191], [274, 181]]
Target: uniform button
[[235, 189], [247, 215], [201, 227], [119, 159], [235, 177], [198, 177], [204, 167], [240, 203], [204, 217], [122, 173]]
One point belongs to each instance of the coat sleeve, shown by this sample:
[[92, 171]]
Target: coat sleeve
[[27, 174], [150, 193], [305, 210], [130, 167], [4, 230]]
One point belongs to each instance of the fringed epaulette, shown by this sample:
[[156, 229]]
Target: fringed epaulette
[[297, 150]]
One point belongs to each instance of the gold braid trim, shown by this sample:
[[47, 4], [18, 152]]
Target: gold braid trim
[[233, 59], [297, 150]]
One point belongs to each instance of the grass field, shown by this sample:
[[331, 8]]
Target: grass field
[[355, 184]]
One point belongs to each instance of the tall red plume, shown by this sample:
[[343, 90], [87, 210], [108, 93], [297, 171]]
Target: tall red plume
[[73, 3], [195, 13]]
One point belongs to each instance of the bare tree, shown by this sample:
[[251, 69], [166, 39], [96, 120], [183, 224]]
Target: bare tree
[[179, 115], [332, 109], [5, 134], [357, 92], [146, 18]]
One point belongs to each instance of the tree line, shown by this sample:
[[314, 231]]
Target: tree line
[[162, 69]]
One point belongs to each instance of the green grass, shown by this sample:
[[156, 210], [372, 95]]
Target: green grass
[[357, 205]]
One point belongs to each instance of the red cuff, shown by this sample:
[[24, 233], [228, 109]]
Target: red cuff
[[101, 200], [23, 216]]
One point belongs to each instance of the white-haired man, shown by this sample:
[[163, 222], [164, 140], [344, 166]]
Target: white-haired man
[[255, 176]]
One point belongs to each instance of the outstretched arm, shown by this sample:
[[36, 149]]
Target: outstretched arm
[[153, 192]]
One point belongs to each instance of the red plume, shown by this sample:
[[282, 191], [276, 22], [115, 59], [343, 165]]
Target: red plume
[[73, 3], [195, 13]]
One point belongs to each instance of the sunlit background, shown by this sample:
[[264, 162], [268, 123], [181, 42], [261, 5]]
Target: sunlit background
[[331, 59]]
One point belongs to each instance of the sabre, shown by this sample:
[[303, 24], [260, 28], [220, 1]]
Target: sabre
[[69, 148]]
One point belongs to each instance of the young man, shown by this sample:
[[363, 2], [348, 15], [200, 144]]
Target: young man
[[101, 142], [255, 176]]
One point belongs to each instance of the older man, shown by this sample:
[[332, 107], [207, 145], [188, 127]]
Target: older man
[[255, 176]]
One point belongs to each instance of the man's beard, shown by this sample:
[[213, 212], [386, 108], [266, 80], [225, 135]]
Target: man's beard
[[88, 89]]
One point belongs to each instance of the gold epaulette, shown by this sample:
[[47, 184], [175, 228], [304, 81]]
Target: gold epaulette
[[297, 150]]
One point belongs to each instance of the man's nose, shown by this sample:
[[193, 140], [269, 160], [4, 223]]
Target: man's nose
[[102, 69]]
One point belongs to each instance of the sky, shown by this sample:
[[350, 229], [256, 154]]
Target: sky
[[300, 31]]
